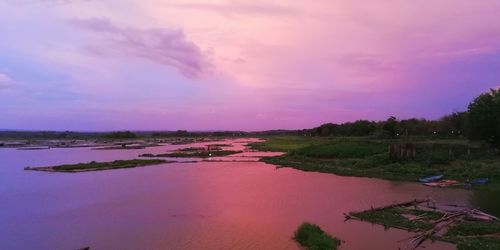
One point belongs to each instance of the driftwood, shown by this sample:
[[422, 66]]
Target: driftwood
[[449, 218], [421, 238], [482, 214], [402, 204]]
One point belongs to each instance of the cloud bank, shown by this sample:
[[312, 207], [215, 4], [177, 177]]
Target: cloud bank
[[164, 46]]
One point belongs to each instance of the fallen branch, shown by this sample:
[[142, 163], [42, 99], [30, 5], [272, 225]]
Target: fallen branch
[[402, 204]]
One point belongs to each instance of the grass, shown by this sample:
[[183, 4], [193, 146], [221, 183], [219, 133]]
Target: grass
[[345, 149], [365, 157], [396, 218], [94, 166], [312, 237], [479, 243], [287, 143], [468, 228], [475, 235]]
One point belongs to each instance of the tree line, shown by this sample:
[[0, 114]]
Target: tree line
[[481, 122]]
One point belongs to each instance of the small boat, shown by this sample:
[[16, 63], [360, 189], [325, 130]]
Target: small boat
[[479, 181], [431, 178], [443, 183]]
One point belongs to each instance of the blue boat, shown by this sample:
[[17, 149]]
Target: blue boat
[[431, 178], [479, 181]]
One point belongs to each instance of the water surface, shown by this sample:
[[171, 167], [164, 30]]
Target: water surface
[[234, 204]]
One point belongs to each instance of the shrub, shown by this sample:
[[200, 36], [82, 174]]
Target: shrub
[[311, 236]]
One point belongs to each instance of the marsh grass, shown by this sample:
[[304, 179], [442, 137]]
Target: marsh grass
[[395, 217], [369, 158]]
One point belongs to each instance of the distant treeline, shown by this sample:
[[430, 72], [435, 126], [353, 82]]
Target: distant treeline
[[480, 122], [60, 135], [454, 125]]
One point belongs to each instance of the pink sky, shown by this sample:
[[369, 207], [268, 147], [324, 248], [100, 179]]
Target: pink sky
[[249, 65]]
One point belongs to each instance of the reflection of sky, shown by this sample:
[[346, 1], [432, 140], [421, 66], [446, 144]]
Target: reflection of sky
[[205, 205], [240, 65]]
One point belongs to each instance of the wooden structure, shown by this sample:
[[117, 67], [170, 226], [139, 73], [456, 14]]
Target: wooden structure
[[402, 151]]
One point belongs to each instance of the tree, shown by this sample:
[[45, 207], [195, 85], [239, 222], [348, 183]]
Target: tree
[[390, 126], [454, 124], [484, 117]]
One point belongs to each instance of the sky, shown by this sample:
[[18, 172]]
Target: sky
[[95, 65]]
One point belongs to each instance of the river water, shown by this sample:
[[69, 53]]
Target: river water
[[227, 203]]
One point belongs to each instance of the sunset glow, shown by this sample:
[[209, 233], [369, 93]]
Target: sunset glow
[[240, 65]]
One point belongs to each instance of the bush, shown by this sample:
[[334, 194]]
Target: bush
[[311, 236]]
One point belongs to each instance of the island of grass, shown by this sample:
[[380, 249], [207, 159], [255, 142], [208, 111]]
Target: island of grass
[[369, 157], [469, 229], [311, 236], [96, 166], [191, 153]]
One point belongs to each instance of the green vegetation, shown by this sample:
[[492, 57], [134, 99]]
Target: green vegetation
[[467, 234], [470, 228], [287, 143], [484, 118], [194, 154], [475, 235], [343, 149], [398, 218], [311, 237], [368, 157], [94, 166], [479, 243], [480, 123]]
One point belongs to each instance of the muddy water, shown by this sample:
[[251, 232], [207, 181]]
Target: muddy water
[[225, 203]]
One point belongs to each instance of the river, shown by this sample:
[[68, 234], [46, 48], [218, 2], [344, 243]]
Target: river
[[238, 203]]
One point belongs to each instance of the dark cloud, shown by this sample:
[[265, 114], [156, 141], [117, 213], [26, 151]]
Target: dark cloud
[[163, 46]]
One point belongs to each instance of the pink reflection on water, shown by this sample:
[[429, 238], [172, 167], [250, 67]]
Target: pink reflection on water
[[203, 205]]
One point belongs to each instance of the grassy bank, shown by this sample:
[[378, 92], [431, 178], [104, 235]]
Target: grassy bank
[[365, 157], [311, 236], [95, 166]]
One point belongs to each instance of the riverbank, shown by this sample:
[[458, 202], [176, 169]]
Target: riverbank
[[97, 166], [364, 157]]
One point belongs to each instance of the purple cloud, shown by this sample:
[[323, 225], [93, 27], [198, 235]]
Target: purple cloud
[[163, 46]]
